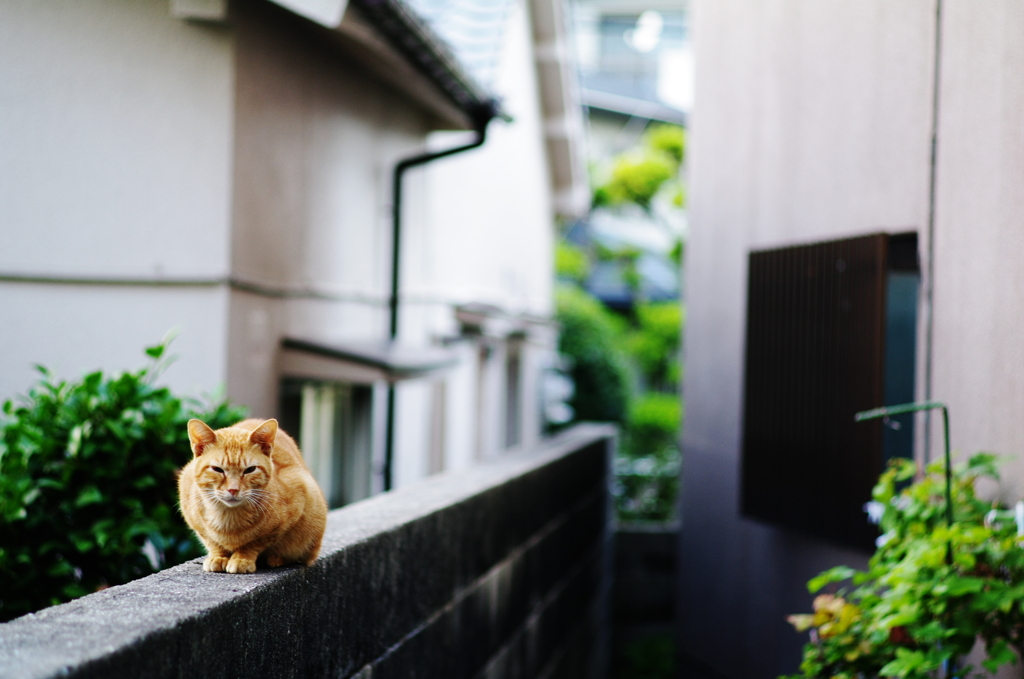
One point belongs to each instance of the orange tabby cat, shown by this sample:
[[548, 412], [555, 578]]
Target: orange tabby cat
[[247, 493]]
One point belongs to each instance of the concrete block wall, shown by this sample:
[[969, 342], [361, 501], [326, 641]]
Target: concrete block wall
[[501, 570], [643, 595]]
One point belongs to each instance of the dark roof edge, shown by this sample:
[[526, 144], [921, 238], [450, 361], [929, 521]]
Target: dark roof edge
[[418, 43]]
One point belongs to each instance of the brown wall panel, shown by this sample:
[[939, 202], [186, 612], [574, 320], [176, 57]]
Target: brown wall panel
[[814, 357]]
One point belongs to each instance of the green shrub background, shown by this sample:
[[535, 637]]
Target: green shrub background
[[590, 336], [627, 371], [88, 484]]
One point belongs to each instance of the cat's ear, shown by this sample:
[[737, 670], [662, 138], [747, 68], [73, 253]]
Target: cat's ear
[[263, 436], [199, 436]]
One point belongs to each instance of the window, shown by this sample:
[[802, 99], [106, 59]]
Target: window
[[332, 424], [831, 330]]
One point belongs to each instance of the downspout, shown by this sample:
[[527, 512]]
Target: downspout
[[481, 117]]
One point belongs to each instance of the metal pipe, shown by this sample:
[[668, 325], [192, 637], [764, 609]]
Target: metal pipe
[[912, 408], [481, 117]]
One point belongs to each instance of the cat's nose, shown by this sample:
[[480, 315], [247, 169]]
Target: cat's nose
[[233, 491]]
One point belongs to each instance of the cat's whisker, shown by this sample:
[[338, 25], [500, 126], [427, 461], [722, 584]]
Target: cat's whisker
[[253, 500]]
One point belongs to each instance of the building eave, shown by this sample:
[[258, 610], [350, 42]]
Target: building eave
[[560, 105], [399, 47]]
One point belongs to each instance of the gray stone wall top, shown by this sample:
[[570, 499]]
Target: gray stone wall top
[[387, 565]]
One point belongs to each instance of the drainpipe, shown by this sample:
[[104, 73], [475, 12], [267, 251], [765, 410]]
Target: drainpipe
[[483, 115]]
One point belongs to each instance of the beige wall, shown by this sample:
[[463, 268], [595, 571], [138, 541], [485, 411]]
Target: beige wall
[[75, 329], [978, 364], [811, 121], [315, 143]]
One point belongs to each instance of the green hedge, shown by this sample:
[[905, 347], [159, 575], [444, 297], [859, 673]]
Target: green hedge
[[647, 469], [592, 340], [88, 496]]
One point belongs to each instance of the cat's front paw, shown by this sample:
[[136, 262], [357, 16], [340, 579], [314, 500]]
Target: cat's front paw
[[275, 561], [215, 564], [241, 565]]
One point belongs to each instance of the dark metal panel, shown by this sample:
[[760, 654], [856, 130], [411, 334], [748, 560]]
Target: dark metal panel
[[814, 357]]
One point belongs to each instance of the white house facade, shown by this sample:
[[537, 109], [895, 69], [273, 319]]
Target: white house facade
[[225, 170]]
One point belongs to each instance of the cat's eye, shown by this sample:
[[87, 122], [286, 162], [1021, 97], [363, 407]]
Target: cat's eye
[[217, 469], [249, 470]]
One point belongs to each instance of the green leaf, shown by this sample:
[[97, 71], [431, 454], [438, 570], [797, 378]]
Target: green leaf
[[83, 543], [961, 586], [999, 654], [93, 459], [837, 574], [906, 662], [156, 351], [30, 496], [89, 495]]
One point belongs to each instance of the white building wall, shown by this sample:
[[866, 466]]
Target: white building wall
[[237, 178], [76, 329], [488, 234], [412, 433], [115, 128], [813, 121], [460, 439], [486, 237]]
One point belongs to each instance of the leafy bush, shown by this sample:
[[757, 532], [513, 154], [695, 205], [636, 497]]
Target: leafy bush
[[646, 487], [647, 470], [930, 589], [669, 139], [571, 263], [653, 425], [637, 176], [655, 343], [87, 484], [590, 338]]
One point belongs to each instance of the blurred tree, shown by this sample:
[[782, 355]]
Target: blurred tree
[[627, 368], [669, 139], [655, 344], [653, 426], [637, 176], [571, 263], [590, 338]]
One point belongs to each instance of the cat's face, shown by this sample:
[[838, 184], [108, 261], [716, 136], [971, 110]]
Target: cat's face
[[231, 466], [233, 477]]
